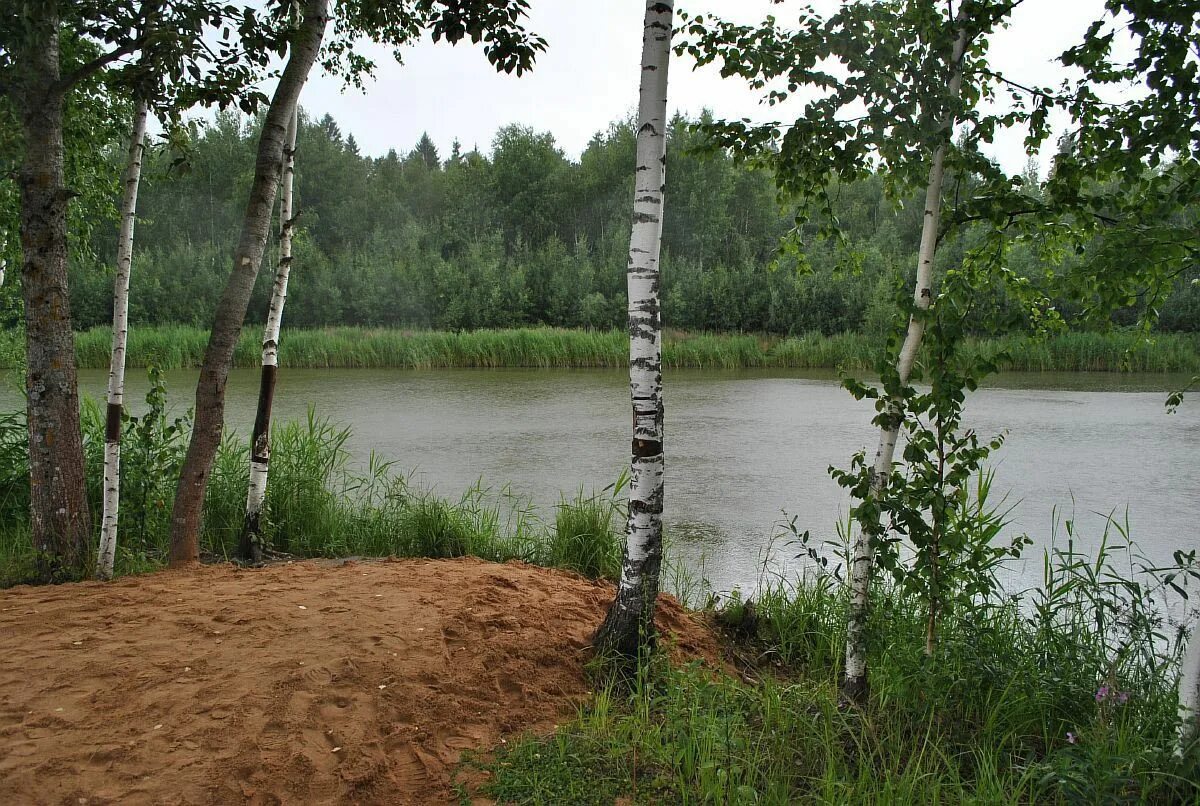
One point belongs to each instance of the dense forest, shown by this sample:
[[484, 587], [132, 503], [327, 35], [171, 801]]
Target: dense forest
[[523, 235]]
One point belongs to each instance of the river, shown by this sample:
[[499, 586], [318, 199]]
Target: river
[[746, 447]]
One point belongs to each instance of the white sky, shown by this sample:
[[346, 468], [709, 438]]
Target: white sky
[[588, 76]]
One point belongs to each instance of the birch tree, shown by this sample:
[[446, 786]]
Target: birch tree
[[916, 67], [1189, 692], [854, 685], [231, 309], [629, 624], [120, 327], [260, 441], [49, 51], [507, 46], [881, 87]]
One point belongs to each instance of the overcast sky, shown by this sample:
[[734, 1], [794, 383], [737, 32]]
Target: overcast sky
[[588, 77]]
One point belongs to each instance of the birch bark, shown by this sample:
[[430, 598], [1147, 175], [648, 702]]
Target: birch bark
[[260, 443], [854, 683], [116, 370], [629, 624], [231, 309], [1189, 691]]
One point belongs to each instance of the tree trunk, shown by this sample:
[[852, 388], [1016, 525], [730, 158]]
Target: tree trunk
[[260, 442], [231, 309], [60, 522], [1189, 692], [854, 682], [116, 368], [629, 625]]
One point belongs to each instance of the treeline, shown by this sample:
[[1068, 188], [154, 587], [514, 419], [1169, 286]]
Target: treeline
[[520, 236]]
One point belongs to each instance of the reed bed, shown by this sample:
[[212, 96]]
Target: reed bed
[[181, 347]]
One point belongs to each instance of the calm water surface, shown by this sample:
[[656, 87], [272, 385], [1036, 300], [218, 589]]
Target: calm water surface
[[745, 447]]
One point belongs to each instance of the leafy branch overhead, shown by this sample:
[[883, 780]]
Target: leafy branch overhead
[[499, 26], [872, 81], [871, 85]]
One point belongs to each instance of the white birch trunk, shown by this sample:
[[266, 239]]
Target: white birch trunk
[[854, 683], [116, 371], [1189, 691], [629, 624], [260, 447]]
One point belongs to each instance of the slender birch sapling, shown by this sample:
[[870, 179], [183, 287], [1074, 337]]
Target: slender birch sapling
[[507, 45], [854, 682], [629, 624], [251, 547], [1189, 692], [905, 136], [231, 309], [116, 369]]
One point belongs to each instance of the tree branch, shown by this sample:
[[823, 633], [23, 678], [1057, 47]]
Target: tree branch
[[95, 65]]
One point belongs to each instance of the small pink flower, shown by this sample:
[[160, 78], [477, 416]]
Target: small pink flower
[[1101, 693], [1072, 738], [1122, 697]]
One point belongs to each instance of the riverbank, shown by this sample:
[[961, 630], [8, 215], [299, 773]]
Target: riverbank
[[439, 681], [180, 347], [1061, 693]]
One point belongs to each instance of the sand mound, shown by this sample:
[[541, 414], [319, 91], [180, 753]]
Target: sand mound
[[300, 683]]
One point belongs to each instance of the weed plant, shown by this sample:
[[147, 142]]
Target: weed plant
[[1064, 693]]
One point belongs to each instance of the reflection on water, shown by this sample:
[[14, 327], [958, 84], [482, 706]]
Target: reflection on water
[[748, 449]]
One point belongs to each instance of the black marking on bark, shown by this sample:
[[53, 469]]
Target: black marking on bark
[[628, 628], [262, 418], [645, 449], [653, 507], [648, 200], [642, 330], [251, 544], [926, 293], [112, 423], [855, 691], [648, 307]]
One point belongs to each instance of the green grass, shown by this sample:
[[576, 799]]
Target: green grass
[[176, 347], [319, 504], [1012, 708]]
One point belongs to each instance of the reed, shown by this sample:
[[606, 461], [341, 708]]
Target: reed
[[180, 347]]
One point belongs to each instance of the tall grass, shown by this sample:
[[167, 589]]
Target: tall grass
[[176, 347], [319, 504], [1059, 694]]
